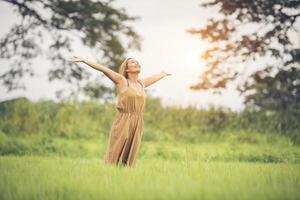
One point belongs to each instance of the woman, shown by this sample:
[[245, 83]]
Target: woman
[[127, 128]]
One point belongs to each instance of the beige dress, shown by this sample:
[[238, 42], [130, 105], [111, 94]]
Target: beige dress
[[127, 128]]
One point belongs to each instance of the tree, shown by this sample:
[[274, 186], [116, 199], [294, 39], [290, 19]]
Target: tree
[[97, 24], [274, 33]]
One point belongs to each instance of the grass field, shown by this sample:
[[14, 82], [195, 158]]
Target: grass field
[[35, 177], [55, 151]]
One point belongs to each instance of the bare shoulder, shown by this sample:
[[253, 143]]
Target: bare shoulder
[[123, 80]]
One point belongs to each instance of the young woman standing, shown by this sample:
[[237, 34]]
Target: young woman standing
[[127, 128]]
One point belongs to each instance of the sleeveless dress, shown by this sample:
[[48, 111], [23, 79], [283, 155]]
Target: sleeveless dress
[[127, 128]]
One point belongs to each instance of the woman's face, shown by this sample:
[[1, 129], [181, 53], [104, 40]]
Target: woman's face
[[133, 66]]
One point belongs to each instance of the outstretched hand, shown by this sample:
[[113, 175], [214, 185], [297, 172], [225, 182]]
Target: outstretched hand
[[166, 74], [76, 59]]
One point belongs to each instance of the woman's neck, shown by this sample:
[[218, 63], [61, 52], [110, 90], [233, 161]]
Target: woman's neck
[[133, 77]]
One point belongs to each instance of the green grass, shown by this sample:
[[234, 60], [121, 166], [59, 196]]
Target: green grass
[[230, 166], [253, 148], [36, 177]]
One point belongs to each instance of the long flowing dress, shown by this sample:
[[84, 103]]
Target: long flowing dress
[[127, 128]]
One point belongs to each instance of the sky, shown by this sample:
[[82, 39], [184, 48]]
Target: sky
[[166, 46]]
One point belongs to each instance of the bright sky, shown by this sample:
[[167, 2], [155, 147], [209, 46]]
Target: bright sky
[[166, 46]]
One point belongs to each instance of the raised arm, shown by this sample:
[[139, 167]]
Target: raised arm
[[112, 75], [152, 79]]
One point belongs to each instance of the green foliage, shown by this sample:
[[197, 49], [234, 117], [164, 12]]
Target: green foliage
[[84, 120], [21, 117], [172, 133], [271, 26], [279, 92], [97, 25]]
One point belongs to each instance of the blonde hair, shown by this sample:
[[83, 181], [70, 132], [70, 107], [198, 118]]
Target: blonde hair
[[123, 67]]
